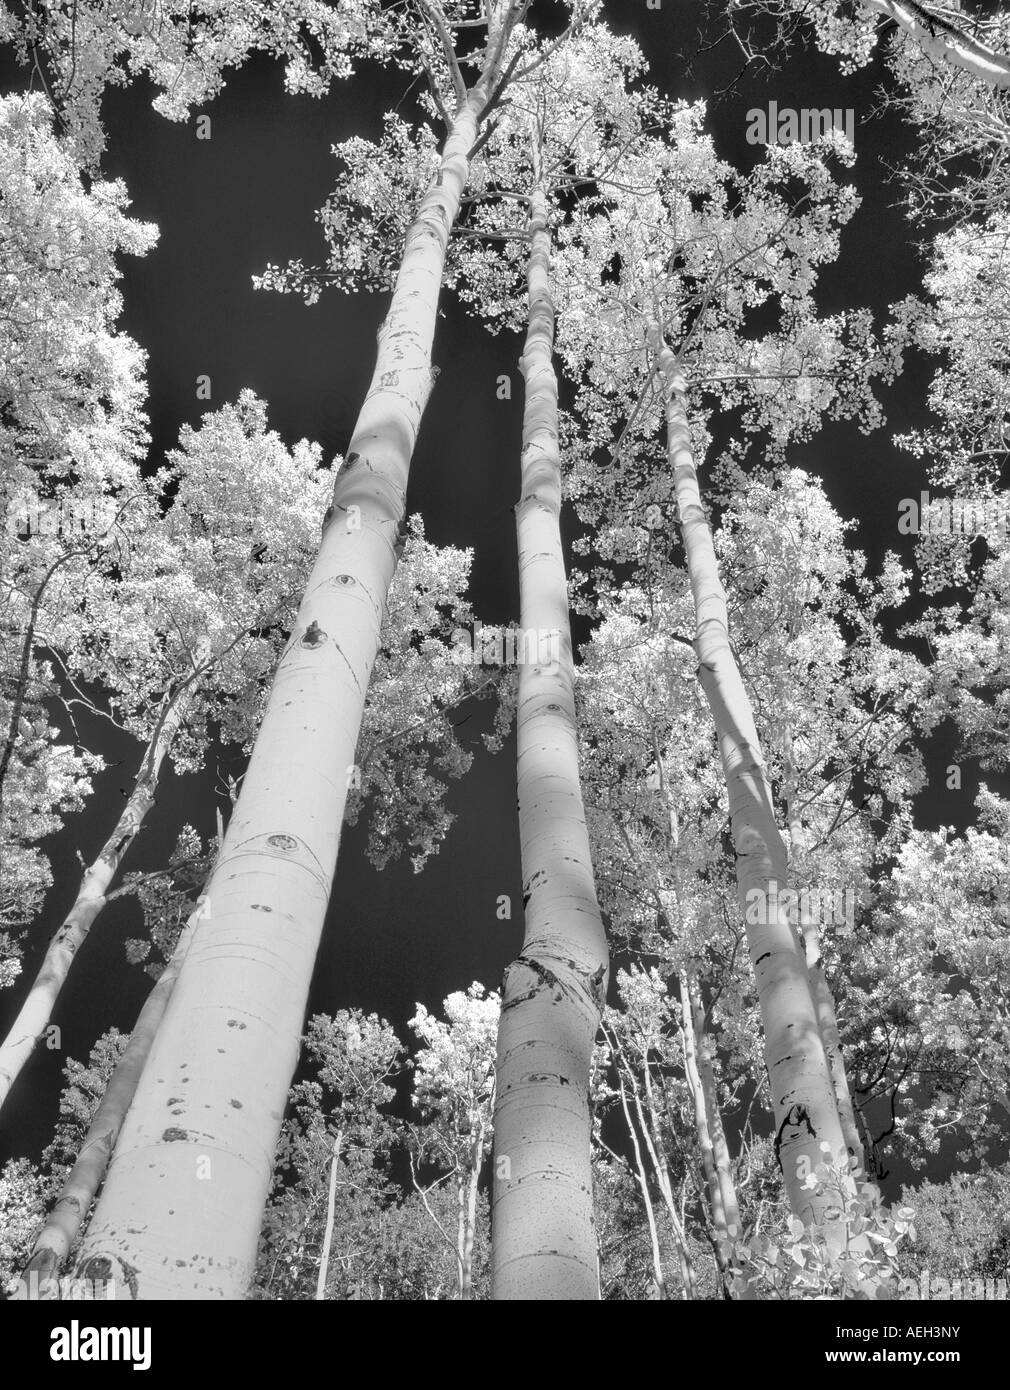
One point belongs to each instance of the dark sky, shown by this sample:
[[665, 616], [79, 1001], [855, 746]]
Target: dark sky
[[228, 205]]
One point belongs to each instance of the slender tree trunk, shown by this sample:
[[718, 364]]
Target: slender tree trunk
[[543, 1241], [55, 1241], [824, 1000], [470, 1224], [648, 1121], [723, 1240], [331, 1201], [808, 1131], [720, 1149], [658, 1275], [711, 1139], [37, 1010], [184, 1197], [461, 1284], [24, 668]]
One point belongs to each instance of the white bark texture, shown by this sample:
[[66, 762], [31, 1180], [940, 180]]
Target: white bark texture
[[806, 1115], [36, 1012], [702, 1130], [56, 1239], [180, 1212], [331, 1199], [824, 999], [543, 1237], [945, 42]]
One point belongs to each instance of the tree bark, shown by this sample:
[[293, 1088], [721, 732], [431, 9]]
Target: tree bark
[[36, 1012], [824, 1001], [945, 42], [805, 1111], [183, 1201], [720, 1222], [543, 1240], [658, 1274], [57, 1237], [720, 1149], [649, 1124], [470, 1218], [331, 1199]]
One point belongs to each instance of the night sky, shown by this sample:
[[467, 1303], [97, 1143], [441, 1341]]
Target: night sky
[[228, 205]]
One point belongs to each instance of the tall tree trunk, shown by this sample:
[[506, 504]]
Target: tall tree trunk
[[648, 1120], [658, 1274], [55, 1241], [720, 1149], [36, 1012], [470, 1222], [824, 1000], [808, 1131], [543, 1241], [462, 1291], [716, 1163], [720, 1221], [331, 1201], [182, 1204]]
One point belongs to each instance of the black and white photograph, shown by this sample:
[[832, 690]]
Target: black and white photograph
[[505, 666]]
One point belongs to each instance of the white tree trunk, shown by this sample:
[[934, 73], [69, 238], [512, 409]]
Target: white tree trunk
[[331, 1201], [543, 1240], [37, 1010], [470, 1214], [702, 1130], [824, 1003], [181, 1208], [716, 1165], [720, 1149], [824, 1000], [807, 1127], [658, 1274], [648, 1120], [944, 42], [55, 1242]]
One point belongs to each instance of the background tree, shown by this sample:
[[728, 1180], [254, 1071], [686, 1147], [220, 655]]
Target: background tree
[[316, 1230], [454, 1092], [325, 669]]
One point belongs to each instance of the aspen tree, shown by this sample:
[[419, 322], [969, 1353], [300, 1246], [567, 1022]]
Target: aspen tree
[[613, 1046], [947, 38], [807, 1126], [454, 1092], [709, 1133], [543, 1244], [35, 1013], [331, 1198], [631, 1037], [64, 1222], [944, 40], [587, 112], [179, 613], [180, 1211], [820, 989], [720, 1148]]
